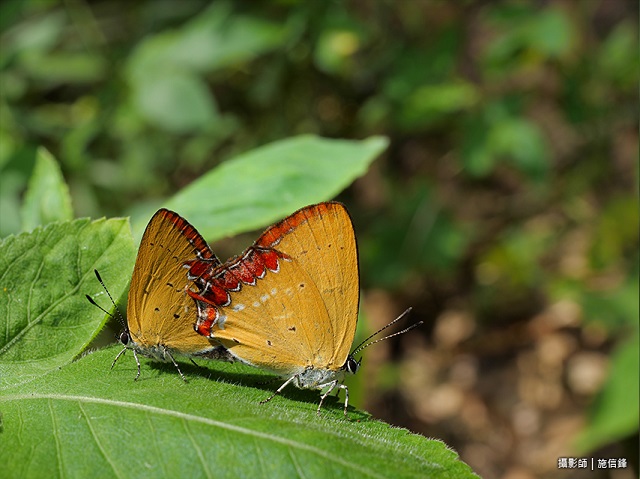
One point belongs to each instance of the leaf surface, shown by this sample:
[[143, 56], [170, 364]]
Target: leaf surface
[[87, 421]]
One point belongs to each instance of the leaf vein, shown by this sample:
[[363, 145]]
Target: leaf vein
[[56, 433], [197, 448], [97, 441], [296, 464]]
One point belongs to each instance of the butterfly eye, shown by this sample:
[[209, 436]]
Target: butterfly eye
[[352, 365], [123, 337]]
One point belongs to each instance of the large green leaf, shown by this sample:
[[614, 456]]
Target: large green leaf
[[45, 320], [271, 182], [86, 421]]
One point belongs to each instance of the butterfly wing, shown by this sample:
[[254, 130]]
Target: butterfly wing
[[278, 325], [291, 300], [322, 240], [158, 309]]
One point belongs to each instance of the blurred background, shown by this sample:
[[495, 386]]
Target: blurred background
[[505, 210]]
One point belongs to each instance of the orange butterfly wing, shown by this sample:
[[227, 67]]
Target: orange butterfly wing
[[159, 312]]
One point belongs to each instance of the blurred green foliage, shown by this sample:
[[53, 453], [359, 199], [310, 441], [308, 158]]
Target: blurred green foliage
[[511, 178]]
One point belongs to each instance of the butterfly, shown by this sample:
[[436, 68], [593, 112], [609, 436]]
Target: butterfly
[[160, 314], [289, 303]]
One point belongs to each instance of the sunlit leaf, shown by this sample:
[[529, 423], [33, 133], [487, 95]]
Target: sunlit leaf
[[45, 318]]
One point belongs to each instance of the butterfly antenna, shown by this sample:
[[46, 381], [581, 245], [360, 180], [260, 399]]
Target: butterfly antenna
[[92, 301], [365, 344]]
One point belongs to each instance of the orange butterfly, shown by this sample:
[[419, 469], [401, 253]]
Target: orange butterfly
[[289, 303], [160, 315]]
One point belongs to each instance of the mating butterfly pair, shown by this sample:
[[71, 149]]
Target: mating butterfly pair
[[288, 304]]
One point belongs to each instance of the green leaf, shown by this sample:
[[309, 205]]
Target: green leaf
[[64, 67], [270, 182], [45, 319], [47, 198], [87, 421], [526, 35], [431, 102], [497, 135], [230, 39], [177, 101], [615, 412], [520, 142], [616, 58], [550, 33], [39, 33], [166, 70]]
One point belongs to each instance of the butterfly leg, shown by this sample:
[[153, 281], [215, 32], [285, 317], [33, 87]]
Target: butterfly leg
[[124, 350], [135, 355], [332, 385], [168, 354], [278, 390], [346, 398]]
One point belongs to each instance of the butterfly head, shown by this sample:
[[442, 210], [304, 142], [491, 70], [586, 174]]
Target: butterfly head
[[351, 365], [124, 337]]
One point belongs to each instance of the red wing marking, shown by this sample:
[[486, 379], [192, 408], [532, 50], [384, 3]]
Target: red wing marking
[[199, 267], [270, 259], [210, 315], [274, 234], [247, 271], [217, 284], [214, 295], [197, 241]]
